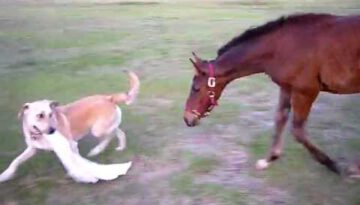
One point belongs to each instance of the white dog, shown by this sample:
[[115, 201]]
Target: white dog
[[97, 114]]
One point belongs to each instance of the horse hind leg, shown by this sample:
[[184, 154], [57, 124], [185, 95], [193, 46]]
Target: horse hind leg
[[281, 117], [301, 105]]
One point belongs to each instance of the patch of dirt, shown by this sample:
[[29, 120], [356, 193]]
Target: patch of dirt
[[234, 170], [147, 170]]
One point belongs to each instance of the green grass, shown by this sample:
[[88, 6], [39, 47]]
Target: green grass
[[209, 192], [185, 183], [203, 164]]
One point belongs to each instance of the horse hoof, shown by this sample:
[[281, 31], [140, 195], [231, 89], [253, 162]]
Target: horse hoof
[[353, 171], [262, 164]]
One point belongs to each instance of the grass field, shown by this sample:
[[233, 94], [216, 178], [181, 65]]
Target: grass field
[[67, 51]]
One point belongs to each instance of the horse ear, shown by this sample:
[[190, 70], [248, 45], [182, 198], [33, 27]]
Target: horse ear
[[198, 64], [197, 59], [22, 110], [196, 68]]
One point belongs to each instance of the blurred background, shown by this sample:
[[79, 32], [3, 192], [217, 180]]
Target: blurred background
[[64, 50]]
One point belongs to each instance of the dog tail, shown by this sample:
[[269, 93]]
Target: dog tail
[[134, 88], [130, 96]]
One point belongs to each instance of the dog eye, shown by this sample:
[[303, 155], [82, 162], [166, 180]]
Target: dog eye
[[41, 116]]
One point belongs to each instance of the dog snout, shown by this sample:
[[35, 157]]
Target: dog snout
[[51, 130], [36, 128]]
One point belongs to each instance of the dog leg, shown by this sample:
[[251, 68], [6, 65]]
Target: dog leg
[[10, 171], [101, 146], [122, 139], [74, 146]]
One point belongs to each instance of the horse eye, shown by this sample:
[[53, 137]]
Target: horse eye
[[195, 89], [41, 116]]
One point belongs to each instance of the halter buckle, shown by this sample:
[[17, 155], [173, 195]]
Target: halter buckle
[[211, 82], [211, 94]]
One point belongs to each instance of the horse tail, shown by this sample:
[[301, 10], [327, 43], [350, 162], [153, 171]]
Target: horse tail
[[129, 97]]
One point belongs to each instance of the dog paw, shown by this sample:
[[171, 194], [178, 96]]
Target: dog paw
[[93, 152], [4, 178], [120, 148], [262, 164], [7, 175]]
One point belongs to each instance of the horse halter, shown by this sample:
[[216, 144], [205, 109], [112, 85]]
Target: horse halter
[[211, 83]]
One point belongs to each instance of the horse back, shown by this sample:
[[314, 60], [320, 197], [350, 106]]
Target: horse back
[[339, 56], [321, 54]]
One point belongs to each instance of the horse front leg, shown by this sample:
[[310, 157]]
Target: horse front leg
[[301, 104], [281, 117]]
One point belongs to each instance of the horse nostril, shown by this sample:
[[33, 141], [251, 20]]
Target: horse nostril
[[186, 121], [190, 123]]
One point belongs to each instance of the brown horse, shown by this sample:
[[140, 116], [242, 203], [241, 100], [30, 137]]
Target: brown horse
[[303, 54]]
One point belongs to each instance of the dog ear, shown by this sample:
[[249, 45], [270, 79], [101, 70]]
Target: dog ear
[[54, 104], [22, 110]]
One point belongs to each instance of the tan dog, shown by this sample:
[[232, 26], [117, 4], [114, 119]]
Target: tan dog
[[98, 115]]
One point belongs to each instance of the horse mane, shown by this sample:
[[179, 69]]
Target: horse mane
[[255, 33]]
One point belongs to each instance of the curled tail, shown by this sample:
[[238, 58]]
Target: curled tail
[[130, 96]]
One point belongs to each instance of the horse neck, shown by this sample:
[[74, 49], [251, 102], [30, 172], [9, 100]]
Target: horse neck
[[243, 60]]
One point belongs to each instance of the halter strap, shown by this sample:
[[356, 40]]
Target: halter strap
[[212, 85], [211, 92], [211, 70]]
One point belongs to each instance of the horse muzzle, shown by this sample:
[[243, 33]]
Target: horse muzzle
[[191, 119]]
